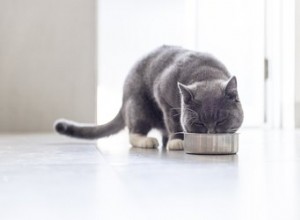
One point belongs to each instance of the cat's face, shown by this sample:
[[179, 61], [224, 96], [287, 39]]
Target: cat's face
[[212, 107]]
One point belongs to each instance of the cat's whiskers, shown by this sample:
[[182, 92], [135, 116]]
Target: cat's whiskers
[[231, 130], [176, 114], [188, 109], [193, 119], [175, 108], [191, 110]]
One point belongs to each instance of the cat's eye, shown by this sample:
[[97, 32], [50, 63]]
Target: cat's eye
[[220, 122], [198, 124], [236, 99], [233, 96]]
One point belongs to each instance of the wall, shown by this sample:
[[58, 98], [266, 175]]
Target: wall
[[47, 63], [297, 63], [231, 30], [280, 52]]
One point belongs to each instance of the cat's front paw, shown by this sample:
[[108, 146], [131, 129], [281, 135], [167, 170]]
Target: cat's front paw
[[175, 144]]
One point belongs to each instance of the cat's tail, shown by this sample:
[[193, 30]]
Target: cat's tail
[[85, 131]]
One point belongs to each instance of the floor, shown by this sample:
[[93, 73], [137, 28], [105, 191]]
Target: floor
[[53, 177]]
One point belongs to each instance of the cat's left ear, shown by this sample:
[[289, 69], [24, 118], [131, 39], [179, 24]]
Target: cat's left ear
[[231, 88], [186, 92]]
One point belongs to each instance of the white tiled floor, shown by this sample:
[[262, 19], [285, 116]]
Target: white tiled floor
[[52, 177]]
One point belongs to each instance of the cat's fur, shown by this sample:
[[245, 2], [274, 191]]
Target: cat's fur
[[174, 90]]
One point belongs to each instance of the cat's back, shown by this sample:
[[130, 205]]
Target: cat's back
[[179, 59], [166, 56], [148, 68], [174, 61], [158, 60]]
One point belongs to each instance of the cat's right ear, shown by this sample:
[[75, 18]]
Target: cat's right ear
[[185, 92], [231, 89]]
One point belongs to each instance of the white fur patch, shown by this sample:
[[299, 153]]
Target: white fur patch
[[175, 144], [142, 141]]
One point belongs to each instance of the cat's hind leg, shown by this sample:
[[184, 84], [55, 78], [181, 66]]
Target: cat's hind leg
[[139, 122]]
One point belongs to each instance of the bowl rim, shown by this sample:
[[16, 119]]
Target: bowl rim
[[216, 134]]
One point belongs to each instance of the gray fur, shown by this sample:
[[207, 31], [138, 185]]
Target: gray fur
[[172, 89]]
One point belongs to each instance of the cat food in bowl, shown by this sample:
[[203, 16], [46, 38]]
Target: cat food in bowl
[[211, 143]]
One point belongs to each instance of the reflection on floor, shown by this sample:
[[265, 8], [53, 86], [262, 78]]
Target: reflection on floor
[[53, 177]]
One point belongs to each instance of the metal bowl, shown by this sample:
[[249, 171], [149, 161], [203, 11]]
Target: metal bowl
[[211, 143]]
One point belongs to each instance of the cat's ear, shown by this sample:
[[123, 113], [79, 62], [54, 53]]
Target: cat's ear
[[185, 92], [231, 88]]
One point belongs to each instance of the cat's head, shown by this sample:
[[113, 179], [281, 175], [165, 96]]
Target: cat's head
[[211, 107]]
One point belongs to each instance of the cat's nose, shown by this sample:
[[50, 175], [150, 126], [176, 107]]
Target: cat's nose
[[211, 131]]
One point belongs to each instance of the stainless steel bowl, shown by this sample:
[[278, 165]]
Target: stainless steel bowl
[[211, 143]]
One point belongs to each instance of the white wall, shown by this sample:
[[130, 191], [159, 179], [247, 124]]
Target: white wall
[[128, 30], [280, 52], [297, 63], [231, 30], [47, 63]]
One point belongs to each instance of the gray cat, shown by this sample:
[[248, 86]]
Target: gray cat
[[174, 90]]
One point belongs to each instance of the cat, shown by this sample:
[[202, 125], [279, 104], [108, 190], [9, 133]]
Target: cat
[[174, 90]]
